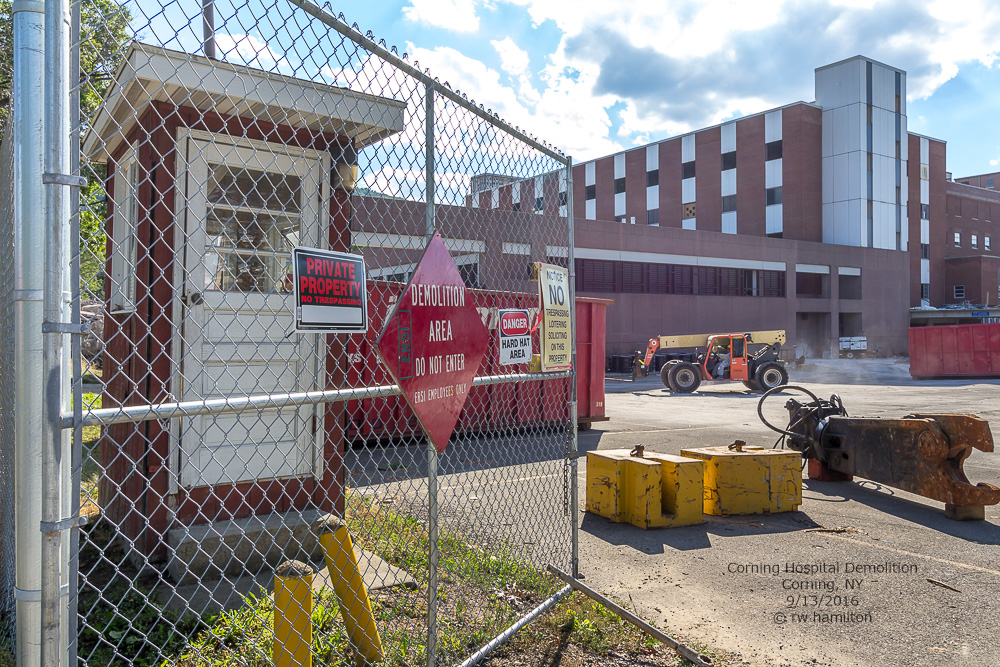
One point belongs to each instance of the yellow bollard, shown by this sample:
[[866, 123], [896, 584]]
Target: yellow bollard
[[293, 605], [350, 589]]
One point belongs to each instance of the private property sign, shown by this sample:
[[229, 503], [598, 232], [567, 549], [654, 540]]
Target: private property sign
[[515, 337], [434, 342], [330, 292]]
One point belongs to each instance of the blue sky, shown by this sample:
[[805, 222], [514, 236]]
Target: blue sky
[[594, 76]]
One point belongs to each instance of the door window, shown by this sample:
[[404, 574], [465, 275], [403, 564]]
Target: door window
[[737, 347], [251, 226]]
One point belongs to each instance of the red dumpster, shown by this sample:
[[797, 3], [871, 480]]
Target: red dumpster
[[514, 405], [961, 350], [590, 337]]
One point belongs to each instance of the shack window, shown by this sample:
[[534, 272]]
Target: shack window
[[250, 230], [123, 234]]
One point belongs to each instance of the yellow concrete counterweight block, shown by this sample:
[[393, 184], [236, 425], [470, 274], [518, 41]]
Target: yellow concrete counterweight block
[[651, 491], [750, 480]]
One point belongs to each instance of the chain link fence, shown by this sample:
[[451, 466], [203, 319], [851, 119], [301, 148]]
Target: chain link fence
[[217, 441], [7, 362]]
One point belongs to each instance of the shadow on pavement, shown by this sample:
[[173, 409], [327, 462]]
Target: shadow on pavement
[[688, 538], [892, 502]]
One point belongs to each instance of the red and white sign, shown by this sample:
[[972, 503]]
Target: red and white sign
[[515, 337], [434, 342]]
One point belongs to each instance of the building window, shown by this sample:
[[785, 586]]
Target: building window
[[975, 242], [925, 292], [989, 182], [773, 196], [538, 204], [958, 239], [562, 198], [688, 211], [619, 186], [516, 206], [652, 178], [925, 251], [653, 217], [687, 169], [986, 243], [772, 150], [728, 203], [729, 160], [925, 211], [123, 236], [590, 192], [959, 291]]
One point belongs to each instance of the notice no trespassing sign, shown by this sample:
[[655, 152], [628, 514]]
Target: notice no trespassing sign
[[330, 293], [515, 337]]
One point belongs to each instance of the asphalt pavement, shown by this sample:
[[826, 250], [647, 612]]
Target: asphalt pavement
[[862, 574]]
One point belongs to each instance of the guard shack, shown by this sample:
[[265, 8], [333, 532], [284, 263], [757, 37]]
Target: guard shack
[[215, 171]]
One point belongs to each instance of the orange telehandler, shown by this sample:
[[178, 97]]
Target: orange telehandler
[[750, 357]]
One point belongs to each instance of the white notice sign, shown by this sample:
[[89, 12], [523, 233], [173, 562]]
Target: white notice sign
[[515, 337]]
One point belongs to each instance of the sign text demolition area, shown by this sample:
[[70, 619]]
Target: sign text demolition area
[[433, 343]]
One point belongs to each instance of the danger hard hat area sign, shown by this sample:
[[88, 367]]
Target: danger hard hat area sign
[[515, 337], [434, 342], [330, 293]]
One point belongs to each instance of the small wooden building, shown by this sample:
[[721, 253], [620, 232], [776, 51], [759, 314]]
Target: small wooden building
[[214, 172]]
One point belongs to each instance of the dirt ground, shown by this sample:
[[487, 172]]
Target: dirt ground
[[777, 590]]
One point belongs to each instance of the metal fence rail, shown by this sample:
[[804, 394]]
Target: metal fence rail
[[213, 441]]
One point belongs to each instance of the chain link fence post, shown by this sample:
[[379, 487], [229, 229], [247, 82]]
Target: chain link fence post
[[57, 458], [574, 450], [432, 454], [27, 131]]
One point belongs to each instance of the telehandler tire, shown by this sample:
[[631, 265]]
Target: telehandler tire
[[684, 377], [771, 375]]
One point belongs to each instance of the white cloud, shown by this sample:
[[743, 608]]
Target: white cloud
[[250, 50], [454, 15], [565, 114], [513, 59], [687, 64], [994, 163]]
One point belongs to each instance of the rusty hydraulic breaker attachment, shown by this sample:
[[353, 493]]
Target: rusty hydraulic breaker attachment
[[920, 453]]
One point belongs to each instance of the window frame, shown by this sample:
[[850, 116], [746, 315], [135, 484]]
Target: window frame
[[955, 291], [773, 150], [124, 234], [688, 169], [729, 156], [773, 196]]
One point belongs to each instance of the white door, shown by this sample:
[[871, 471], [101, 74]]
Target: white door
[[244, 206]]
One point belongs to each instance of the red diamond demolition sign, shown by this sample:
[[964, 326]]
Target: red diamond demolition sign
[[434, 342]]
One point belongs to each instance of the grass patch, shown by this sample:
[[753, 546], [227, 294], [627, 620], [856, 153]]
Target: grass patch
[[91, 471], [481, 592]]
